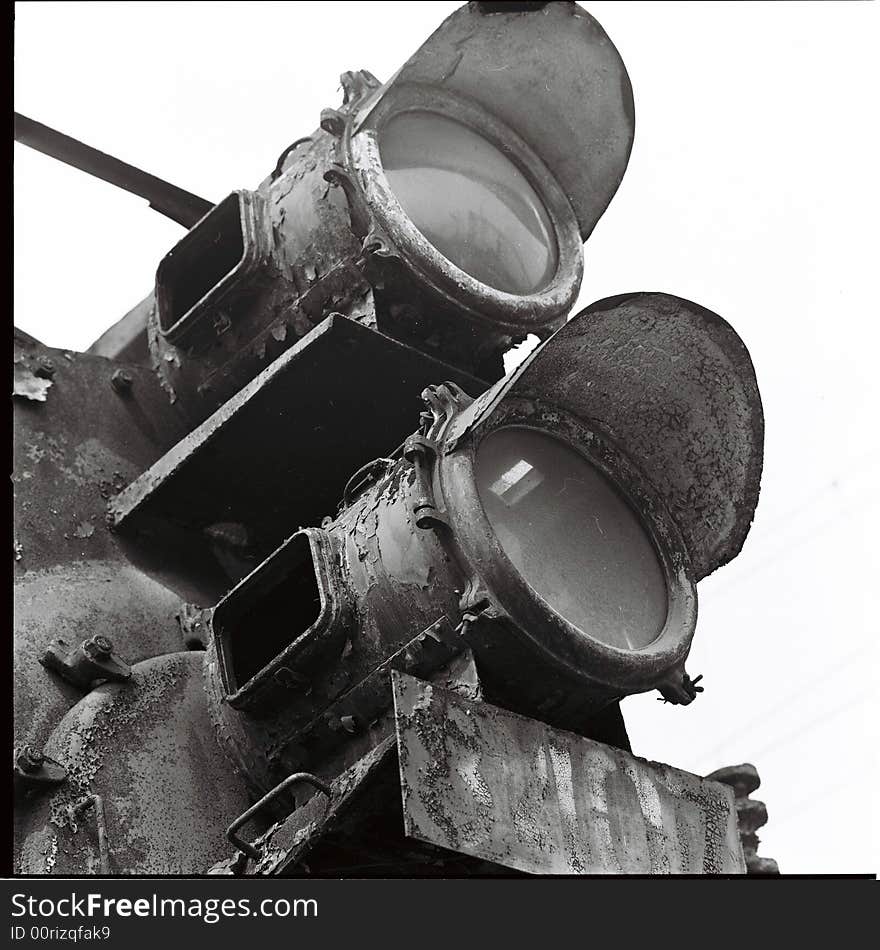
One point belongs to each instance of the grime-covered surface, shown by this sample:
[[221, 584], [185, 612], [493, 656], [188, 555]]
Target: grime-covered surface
[[358, 832], [147, 749], [490, 783], [751, 814], [72, 603], [73, 451], [273, 458], [77, 447], [673, 385]]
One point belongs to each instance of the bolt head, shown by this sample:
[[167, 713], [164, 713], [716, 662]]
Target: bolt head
[[29, 759], [45, 368], [121, 381], [98, 647]]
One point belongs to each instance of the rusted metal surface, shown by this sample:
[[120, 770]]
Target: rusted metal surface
[[290, 842], [33, 772], [78, 448], [360, 829], [535, 658], [72, 578], [89, 662], [490, 783], [232, 832], [303, 266], [96, 803], [458, 297], [147, 748], [72, 602], [579, 117], [360, 832], [272, 486], [672, 383], [751, 814]]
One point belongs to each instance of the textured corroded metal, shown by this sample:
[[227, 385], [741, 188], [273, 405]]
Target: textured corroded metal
[[232, 832], [229, 470], [324, 232], [484, 781], [751, 814], [454, 292], [362, 816], [550, 73], [147, 749], [290, 842], [73, 578], [298, 266], [535, 658], [91, 661], [672, 383], [33, 772]]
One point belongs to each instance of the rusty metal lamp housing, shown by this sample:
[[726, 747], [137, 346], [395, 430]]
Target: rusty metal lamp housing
[[325, 232], [538, 312], [412, 571], [329, 234], [587, 671], [275, 295]]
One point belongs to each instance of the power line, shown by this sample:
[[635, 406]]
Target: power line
[[761, 717], [815, 530], [825, 717], [859, 467], [815, 799]]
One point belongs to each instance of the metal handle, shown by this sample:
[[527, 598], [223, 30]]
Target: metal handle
[[251, 850], [363, 476]]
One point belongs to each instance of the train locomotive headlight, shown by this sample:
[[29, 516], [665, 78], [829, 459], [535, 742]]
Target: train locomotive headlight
[[589, 491], [470, 201], [479, 221], [446, 209], [556, 526], [571, 535], [584, 587]]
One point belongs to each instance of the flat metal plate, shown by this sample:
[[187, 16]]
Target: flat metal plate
[[489, 783], [278, 454]]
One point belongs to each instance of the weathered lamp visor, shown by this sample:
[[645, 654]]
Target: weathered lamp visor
[[550, 73], [672, 384]]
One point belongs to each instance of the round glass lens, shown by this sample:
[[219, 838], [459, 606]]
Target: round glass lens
[[573, 538], [470, 201]]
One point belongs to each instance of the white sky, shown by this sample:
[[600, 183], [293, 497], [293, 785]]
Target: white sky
[[751, 190]]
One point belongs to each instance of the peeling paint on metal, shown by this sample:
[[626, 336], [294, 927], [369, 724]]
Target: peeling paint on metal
[[495, 785], [27, 384]]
